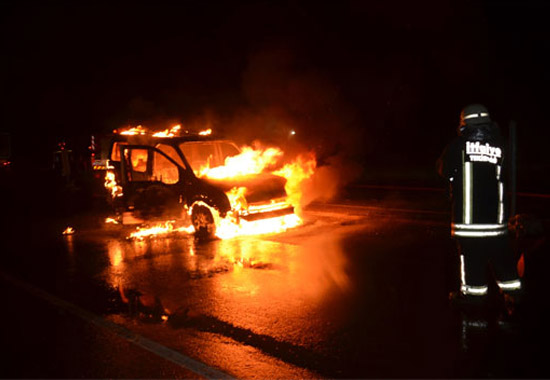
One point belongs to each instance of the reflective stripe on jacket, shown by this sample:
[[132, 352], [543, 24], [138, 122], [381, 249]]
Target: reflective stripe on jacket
[[473, 164]]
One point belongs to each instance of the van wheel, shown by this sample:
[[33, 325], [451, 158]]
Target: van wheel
[[203, 221]]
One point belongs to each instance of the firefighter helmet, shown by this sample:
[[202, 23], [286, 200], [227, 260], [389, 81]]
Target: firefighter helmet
[[471, 115], [474, 114]]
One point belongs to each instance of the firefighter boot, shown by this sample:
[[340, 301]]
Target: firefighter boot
[[513, 304], [466, 302]]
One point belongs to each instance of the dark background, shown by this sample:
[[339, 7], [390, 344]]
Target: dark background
[[380, 83]]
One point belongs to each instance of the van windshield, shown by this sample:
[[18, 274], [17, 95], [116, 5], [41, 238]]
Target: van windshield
[[201, 154]]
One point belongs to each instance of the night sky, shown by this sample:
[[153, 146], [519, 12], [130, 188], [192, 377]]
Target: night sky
[[379, 82]]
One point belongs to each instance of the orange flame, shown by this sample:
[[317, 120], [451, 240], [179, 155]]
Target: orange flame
[[111, 185], [69, 231], [296, 173], [174, 131], [249, 162], [169, 132], [229, 227], [237, 199], [142, 131], [160, 229], [139, 130], [255, 161]]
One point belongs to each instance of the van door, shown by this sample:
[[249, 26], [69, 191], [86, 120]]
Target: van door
[[150, 181]]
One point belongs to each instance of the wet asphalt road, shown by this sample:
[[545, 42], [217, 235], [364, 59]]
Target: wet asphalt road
[[358, 291]]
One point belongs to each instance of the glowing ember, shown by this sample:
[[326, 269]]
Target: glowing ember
[[69, 231], [174, 131], [111, 221], [160, 229], [111, 185], [206, 132]]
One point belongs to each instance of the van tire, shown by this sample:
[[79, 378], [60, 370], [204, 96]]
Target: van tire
[[203, 221]]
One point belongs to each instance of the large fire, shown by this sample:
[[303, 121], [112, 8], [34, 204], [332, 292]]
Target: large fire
[[296, 173], [255, 161], [249, 162], [231, 226]]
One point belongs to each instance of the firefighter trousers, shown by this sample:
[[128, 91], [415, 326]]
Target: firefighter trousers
[[476, 254]]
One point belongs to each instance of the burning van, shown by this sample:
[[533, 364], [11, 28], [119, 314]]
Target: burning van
[[201, 177]]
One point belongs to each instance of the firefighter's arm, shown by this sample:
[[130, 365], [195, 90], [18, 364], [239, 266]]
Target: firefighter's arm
[[441, 164], [445, 164]]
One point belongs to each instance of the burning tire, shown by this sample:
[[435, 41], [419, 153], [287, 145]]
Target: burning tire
[[203, 221]]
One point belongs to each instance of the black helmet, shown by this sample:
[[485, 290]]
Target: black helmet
[[472, 115]]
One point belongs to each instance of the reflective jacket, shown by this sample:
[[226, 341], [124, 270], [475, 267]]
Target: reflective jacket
[[473, 165]]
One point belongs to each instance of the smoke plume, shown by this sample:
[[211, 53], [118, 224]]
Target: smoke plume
[[296, 107]]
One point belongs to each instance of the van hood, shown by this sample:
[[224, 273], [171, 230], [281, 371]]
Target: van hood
[[260, 187]]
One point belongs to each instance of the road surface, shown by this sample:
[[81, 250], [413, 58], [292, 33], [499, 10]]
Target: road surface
[[359, 290]]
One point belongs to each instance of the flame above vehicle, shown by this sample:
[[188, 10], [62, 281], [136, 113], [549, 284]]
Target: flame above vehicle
[[132, 131], [173, 131]]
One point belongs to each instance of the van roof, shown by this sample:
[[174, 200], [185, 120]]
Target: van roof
[[148, 139]]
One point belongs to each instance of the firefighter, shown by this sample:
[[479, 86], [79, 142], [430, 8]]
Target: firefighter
[[473, 165]]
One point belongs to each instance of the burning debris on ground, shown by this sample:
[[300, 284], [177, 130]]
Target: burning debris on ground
[[69, 231], [160, 229]]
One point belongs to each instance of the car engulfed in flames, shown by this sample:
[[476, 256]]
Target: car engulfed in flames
[[205, 181]]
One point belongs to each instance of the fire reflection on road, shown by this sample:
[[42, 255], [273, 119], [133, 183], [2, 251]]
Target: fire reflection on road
[[265, 287]]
